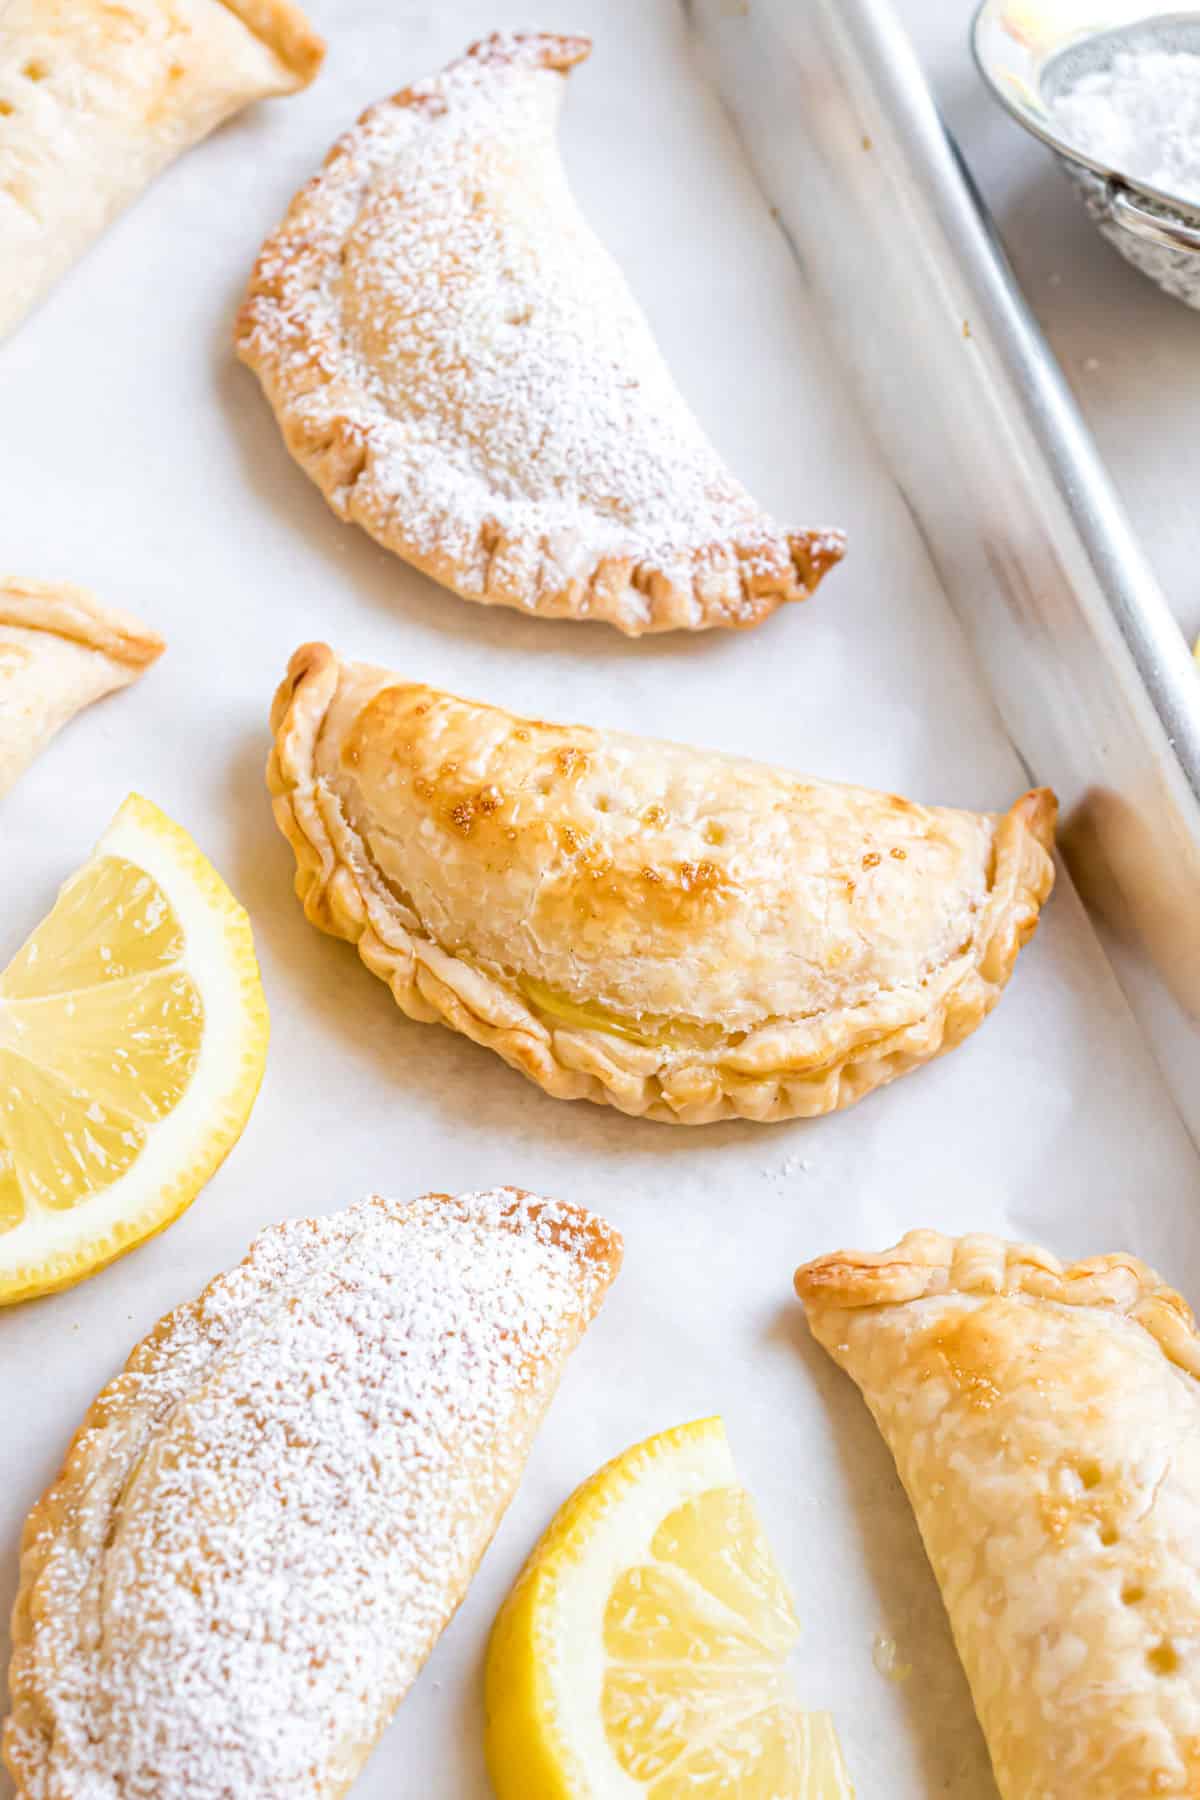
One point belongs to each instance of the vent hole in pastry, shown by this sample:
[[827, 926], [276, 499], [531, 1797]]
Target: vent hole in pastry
[[602, 803], [7, 109], [1109, 1535], [35, 71], [1091, 1474], [714, 833], [1163, 1659], [1132, 1594]]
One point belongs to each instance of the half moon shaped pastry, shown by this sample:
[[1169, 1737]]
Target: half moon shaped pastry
[[680, 934], [1045, 1422], [457, 362], [96, 99], [264, 1524], [59, 650]]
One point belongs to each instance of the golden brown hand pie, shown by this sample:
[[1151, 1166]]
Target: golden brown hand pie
[[97, 98], [681, 934], [264, 1524], [457, 362], [59, 651], [1045, 1422]]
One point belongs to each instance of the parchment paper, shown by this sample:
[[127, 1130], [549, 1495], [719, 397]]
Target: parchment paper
[[137, 457]]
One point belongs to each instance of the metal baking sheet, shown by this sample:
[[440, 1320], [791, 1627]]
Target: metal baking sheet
[[135, 456], [1075, 639]]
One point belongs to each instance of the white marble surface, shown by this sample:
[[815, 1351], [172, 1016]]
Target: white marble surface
[[137, 457], [1130, 353]]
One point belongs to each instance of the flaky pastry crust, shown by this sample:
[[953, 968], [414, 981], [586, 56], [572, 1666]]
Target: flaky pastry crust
[[96, 99], [72, 612], [1045, 1421], [758, 946], [460, 367], [926, 1262], [264, 1523], [59, 650]]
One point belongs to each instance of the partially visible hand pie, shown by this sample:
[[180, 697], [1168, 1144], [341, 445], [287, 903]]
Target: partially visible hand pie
[[457, 362], [1045, 1422], [59, 651], [680, 934], [265, 1522], [97, 98]]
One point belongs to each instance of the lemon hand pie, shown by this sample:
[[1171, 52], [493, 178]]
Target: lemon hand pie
[[677, 933], [96, 99], [1045, 1422], [59, 651], [457, 362], [265, 1522]]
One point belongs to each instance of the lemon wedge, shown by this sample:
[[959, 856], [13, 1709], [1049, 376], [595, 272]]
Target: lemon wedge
[[642, 1653], [133, 1035]]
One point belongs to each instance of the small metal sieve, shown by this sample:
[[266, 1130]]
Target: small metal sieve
[[1029, 51]]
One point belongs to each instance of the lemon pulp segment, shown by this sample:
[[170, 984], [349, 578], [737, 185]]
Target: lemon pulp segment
[[132, 1040]]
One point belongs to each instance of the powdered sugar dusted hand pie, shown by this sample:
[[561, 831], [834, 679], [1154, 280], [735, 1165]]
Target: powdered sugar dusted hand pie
[[458, 363], [59, 650], [1045, 1422], [97, 98], [677, 933], [266, 1521]]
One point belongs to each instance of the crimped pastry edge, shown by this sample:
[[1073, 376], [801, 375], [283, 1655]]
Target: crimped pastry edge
[[926, 1263], [340, 896], [284, 29], [72, 612], [55, 1511], [272, 336]]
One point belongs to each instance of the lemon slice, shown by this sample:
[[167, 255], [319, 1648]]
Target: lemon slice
[[641, 1655], [133, 1034]]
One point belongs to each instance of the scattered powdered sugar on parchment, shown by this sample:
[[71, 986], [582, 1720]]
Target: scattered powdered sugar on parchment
[[792, 1165], [287, 1495], [1141, 116], [504, 385]]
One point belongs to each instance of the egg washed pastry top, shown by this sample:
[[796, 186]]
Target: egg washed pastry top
[[59, 651], [96, 98], [682, 934], [459, 365], [265, 1522], [1046, 1425]]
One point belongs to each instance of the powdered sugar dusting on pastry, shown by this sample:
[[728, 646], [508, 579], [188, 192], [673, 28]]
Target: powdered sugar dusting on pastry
[[461, 366], [270, 1516]]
